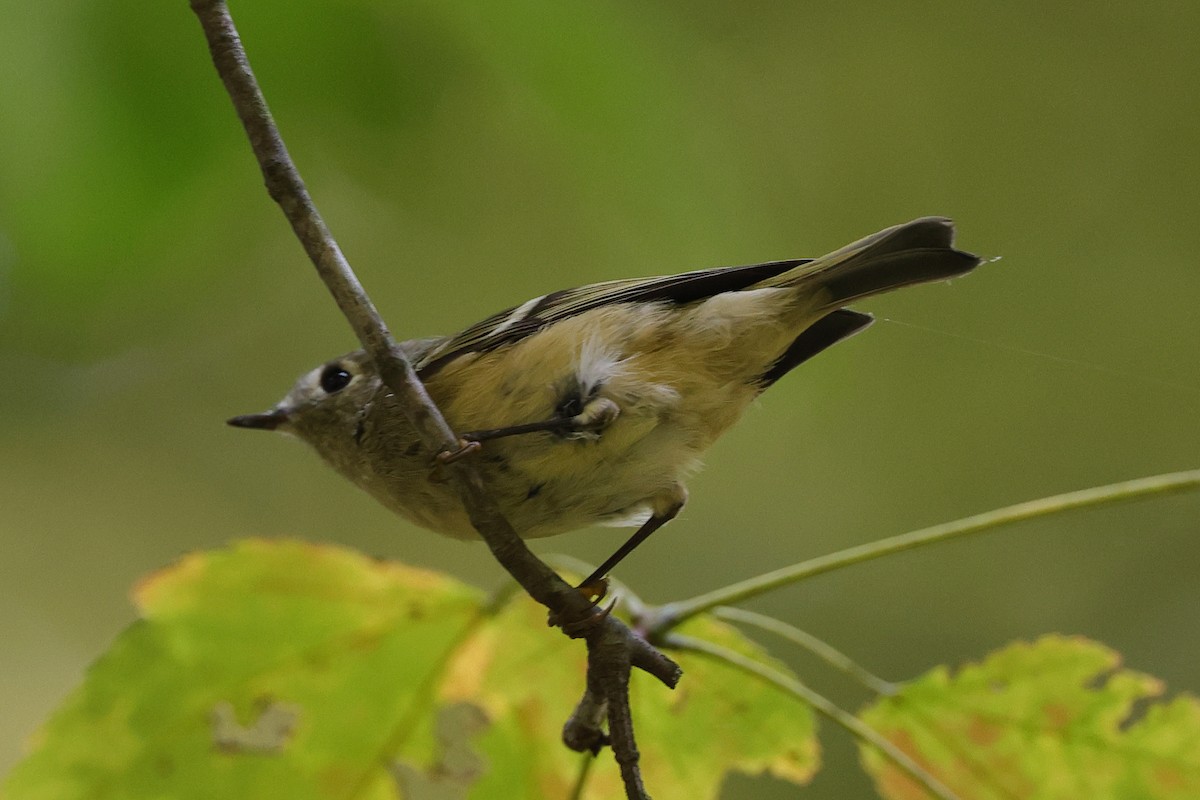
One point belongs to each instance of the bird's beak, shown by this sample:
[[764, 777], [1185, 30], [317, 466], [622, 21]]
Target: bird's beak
[[267, 421]]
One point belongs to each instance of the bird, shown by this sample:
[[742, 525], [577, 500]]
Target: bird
[[594, 405]]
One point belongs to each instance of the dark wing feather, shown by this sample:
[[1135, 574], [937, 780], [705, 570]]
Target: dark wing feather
[[518, 322], [835, 326]]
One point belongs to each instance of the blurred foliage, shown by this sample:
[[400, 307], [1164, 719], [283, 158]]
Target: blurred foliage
[[292, 670], [288, 669], [471, 155], [1057, 718]]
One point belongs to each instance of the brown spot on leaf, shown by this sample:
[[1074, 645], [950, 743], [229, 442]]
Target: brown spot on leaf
[[1058, 716], [982, 732], [267, 733]]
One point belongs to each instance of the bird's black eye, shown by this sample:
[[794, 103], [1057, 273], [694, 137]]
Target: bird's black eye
[[334, 378]]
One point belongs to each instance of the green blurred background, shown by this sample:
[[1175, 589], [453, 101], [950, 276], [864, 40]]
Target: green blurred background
[[471, 155]]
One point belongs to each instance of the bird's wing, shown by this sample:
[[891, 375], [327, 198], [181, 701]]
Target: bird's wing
[[514, 324]]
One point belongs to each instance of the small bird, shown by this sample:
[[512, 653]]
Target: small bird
[[594, 405]]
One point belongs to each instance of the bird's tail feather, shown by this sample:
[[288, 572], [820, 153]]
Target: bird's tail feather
[[915, 252]]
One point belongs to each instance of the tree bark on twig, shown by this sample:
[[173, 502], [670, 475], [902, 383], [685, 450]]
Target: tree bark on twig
[[612, 647]]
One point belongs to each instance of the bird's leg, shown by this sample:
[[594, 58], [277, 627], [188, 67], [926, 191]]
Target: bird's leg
[[664, 509], [668, 511], [596, 415]]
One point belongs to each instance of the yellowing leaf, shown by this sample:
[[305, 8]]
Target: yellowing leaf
[[1054, 720], [283, 669], [344, 645], [717, 720]]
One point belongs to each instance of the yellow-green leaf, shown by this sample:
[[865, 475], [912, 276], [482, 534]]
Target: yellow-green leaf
[[1055, 720], [717, 720], [341, 645], [284, 669]]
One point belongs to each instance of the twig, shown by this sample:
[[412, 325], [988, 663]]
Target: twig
[[609, 636], [608, 677], [818, 647], [857, 728], [670, 615], [585, 769]]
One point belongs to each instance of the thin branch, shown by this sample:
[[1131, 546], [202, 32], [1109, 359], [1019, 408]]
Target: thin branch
[[609, 635], [672, 614], [818, 647], [584, 729], [286, 187], [822, 705], [585, 769], [608, 677]]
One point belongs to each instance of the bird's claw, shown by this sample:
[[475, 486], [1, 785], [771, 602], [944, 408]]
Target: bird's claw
[[466, 447], [577, 628]]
